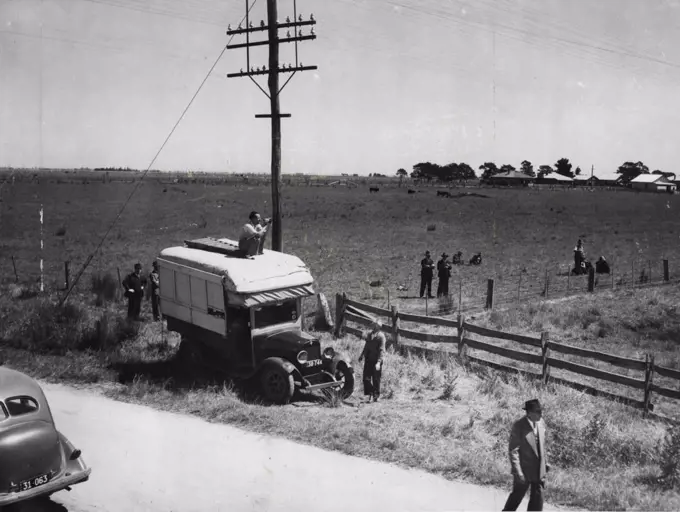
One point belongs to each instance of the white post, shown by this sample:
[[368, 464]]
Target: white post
[[42, 279]]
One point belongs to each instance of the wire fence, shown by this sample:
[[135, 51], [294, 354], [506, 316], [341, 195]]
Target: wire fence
[[553, 283]]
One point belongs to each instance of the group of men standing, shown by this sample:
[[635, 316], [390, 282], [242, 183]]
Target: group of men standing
[[135, 284], [427, 273]]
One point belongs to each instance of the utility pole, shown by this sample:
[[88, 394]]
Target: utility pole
[[272, 28]]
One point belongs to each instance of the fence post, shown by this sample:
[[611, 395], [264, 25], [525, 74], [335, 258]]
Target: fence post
[[649, 376], [489, 294], [591, 279], [460, 296], [461, 336], [519, 288], [66, 275], [632, 274], [666, 274], [547, 286], [611, 270], [649, 263], [426, 305], [339, 313], [14, 265], [395, 326], [568, 278], [545, 353]]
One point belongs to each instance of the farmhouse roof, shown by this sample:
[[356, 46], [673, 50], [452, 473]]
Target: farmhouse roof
[[558, 177], [269, 276], [585, 177], [513, 175], [608, 176], [650, 178]]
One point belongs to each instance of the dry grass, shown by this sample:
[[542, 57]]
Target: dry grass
[[437, 415]]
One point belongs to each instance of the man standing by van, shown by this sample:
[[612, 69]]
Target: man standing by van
[[134, 284], [155, 291], [253, 234], [373, 354]]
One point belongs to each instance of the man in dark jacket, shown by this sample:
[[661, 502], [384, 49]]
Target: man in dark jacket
[[134, 284], [154, 277], [444, 272], [426, 271], [373, 354], [528, 460]]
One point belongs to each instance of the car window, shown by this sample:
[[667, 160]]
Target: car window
[[19, 405], [276, 314], [3, 412]]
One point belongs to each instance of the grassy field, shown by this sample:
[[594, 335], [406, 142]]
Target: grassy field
[[349, 237], [438, 414]]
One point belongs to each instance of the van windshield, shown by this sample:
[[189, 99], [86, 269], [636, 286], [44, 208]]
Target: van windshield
[[282, 312]]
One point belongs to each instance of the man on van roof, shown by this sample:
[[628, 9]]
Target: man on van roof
[[253, 234]]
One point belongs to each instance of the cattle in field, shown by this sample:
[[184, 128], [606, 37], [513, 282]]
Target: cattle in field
[[476, 259], [443, 193], [411, 191], [457, 258], [373, 189]]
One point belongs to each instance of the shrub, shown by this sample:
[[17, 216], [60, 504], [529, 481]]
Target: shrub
[[669, 457], [108, 333], [49, 328], [105, 287]]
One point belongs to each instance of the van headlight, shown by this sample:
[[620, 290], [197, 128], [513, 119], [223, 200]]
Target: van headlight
[[302, 357], [329, 353]]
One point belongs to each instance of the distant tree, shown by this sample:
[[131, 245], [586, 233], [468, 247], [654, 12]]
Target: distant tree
[[427, 171], [488, 169], [668, 175], [563, 167], [544, 170], [466, 172], [630, 170], [528, 168], [507, 168], [402, 174], [578, 171]]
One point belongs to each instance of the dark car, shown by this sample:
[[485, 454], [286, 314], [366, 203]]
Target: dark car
[[35, 458]]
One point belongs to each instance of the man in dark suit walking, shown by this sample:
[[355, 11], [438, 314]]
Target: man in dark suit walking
[[528, 458]]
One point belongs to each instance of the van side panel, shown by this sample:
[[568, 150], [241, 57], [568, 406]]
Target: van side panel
[[199, 293], [167, 283], [192, 296]]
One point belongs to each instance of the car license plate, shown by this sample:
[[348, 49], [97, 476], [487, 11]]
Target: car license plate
[[314, 362], [34, 482]]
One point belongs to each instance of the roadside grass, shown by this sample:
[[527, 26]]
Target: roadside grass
[[437, 414]]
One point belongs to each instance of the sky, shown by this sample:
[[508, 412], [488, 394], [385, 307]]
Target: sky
[[101, 83]]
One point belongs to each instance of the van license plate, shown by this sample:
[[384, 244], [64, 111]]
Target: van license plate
[[34, 482]]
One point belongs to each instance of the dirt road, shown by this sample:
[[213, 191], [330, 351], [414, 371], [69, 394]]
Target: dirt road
[[147, 460]]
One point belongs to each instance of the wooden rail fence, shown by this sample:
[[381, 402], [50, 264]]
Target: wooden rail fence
[[359, 313]]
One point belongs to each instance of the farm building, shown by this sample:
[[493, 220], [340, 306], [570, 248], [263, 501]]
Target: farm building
[[556, 179], [511, 178], [586, 181], [653, 183]]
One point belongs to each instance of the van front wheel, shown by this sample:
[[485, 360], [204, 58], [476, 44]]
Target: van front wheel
[[277, 384]]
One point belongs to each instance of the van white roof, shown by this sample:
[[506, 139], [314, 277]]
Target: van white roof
[[265, 272]]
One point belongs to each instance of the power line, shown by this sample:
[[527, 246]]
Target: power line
[[101, 242], [90, 44], [170, 14]]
